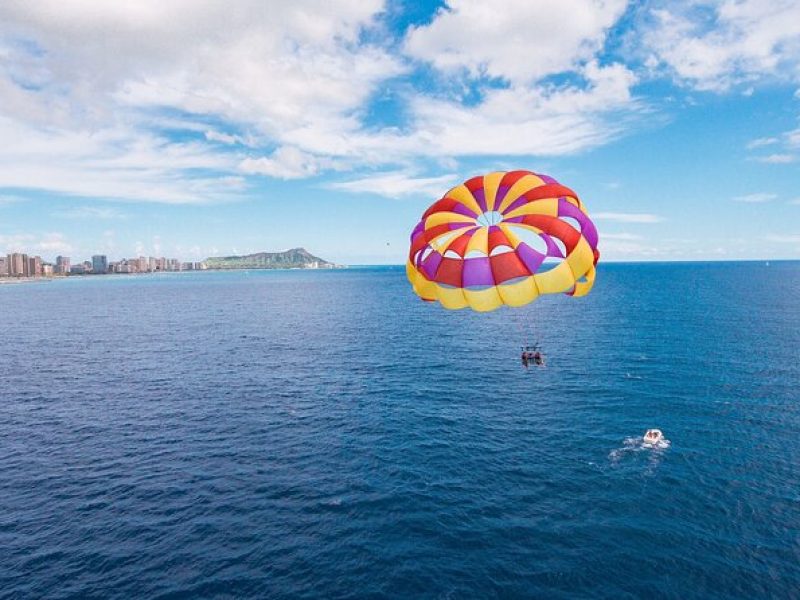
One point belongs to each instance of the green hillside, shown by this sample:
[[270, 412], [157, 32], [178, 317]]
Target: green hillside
[[296, 258]]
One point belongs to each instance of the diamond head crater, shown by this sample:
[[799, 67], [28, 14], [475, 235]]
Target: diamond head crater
[[296, 258]]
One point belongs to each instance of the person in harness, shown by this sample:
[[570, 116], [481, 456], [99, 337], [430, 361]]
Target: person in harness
[[532, 354]]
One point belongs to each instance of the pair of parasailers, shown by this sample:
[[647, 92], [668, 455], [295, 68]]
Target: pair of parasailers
[[532, 354]]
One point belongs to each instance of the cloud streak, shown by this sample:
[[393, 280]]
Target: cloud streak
[[617, 217], [398, 184], [757, 198]]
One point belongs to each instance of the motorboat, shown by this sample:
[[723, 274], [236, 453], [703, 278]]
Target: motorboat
[[653, 436]]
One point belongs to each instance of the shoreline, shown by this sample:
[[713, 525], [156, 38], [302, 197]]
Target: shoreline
[[89, 276], [13, 280]]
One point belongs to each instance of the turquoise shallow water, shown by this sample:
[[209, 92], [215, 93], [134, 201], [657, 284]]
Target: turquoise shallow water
[[326, 434]]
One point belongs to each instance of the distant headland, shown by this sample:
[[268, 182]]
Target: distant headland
[[296, 258]]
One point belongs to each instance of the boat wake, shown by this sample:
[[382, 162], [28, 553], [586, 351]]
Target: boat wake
[[635, 446]]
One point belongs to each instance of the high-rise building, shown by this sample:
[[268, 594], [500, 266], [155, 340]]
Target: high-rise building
[[99, 263], [18, 265], [62, 265], [3, 266], [34, 266]]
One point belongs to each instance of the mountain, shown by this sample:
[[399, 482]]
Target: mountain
[[296, 258]]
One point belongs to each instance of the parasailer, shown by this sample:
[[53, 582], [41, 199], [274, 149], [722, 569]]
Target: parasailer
[[532, 354], [473, 248]]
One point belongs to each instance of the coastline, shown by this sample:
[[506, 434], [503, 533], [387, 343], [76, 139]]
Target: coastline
[[43, 279], [13, 280]]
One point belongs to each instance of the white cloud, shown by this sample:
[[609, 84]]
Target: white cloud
[[518, 40], [757, 198], [793, 138], [81, 92], [212, 135], [286, 162], [784, 239], [716, 45], [788, 142], [777, 158], [626, 217], [520, 43], [622, 237], [283, 89], [48, 244], [540, 121], [118, 161], [92, 213], [398, 184], [88, 101], [761, 142]]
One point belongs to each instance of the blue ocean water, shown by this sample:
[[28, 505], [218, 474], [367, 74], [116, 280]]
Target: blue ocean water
[[293, 434]]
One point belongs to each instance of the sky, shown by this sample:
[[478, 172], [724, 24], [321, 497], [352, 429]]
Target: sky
[[195, 128]]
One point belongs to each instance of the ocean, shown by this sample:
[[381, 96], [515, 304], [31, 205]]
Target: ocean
[[326, 434]]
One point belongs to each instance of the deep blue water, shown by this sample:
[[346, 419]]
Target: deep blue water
[[326, 434]]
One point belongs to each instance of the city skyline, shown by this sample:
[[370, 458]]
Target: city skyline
[[333, 127], [20, 264]]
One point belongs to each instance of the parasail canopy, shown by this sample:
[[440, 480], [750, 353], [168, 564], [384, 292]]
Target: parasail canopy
[[487, 241]]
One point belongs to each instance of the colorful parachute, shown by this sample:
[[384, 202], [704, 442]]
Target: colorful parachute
[[467, 252]]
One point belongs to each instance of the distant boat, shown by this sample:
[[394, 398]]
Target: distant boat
[[653, 436]]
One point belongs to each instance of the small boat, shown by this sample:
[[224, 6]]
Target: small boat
[[653, 436]]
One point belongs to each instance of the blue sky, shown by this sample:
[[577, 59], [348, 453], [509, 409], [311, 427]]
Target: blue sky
[[197, 128]]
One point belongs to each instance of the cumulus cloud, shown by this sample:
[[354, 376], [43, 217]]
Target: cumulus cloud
[[716, 45], [534, 120], [80, 91], [520, 43], [219, 95], [95, 110], [518, 40]]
